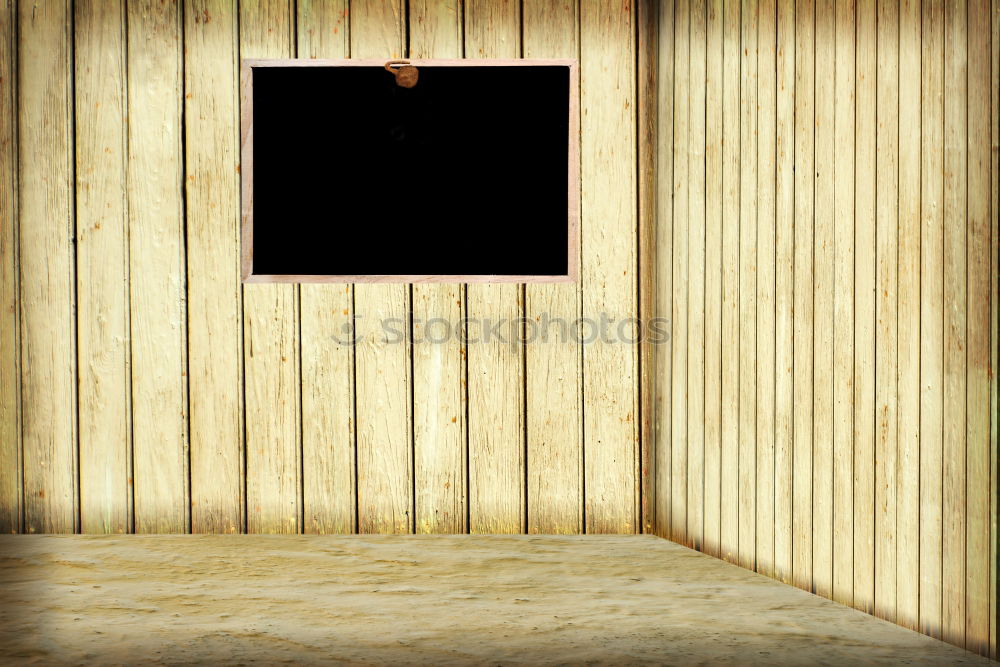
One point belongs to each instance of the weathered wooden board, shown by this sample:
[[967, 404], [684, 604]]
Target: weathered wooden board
[[45, 225], [104, 396], [553, 362]]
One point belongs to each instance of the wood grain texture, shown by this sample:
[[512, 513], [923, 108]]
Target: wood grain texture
[[553, 406], [864, 307], [696, 277], [886, 281], [729, 419], [784, 251], [681, 260], [765, 353], [382, 351], [102, 233], [931, 315], [47, 268], [663, 428], [995, 336], [157, 268], [805, 81], [823, 297], [713, 278], [908, 322], [439, 408], [327, 346], [607, 72], [843, 308], [980, 223], [496, 366], [748, 285], [271, 339], [215, 346], [11, 482]]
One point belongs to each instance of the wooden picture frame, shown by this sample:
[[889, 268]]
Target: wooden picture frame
[[246, 155]]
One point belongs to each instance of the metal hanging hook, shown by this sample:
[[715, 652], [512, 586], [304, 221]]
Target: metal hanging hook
[[406, 74]]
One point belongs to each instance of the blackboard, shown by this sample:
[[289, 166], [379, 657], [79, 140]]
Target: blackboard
[[470, 175]]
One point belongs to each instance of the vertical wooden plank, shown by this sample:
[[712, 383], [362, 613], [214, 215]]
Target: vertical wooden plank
[[322, 30], [843, 309], [955, 371], [784, 251], [729, 515], [646, 108], [271, 339], [552, 359], [908, 321], [803, 290], [327, 338], [496, 367], [608, 132], [766, 128], [748, 285], [664, 274], [102, 268], [995, 335], [696, 278], [156, 268], [681, 260], [886, 230], [823, 298], [713, 278], [864, 310], [977, 581], [45, 225], [11, 486], [382, 351], [439, 447], [931, 315], [215, 346]]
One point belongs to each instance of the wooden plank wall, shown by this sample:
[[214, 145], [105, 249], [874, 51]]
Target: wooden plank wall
[[826, 244], [144, 388]]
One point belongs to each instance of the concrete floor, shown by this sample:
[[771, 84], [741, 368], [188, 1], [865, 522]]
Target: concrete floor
[[419, 600]]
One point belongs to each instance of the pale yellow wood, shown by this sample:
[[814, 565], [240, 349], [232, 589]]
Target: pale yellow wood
[[908, 321], [438, 355], [887, 247], [980, 223], [664, 274], [843, 308], [552, 359], [322, 30], [713, 278], [609, 226], [215, 346], [931, 315], [102, 271], [995, 334], [47, 280], [864, 308], [802, 556], [748, 285], [492, 27], [766, 127], [156, 268], [271, 339], [680, 261], [382, 352], [327, 345], [495, 367], [11, 484], [955, 200], [729, 477], [784, 212], [696, 278], [823, 297]]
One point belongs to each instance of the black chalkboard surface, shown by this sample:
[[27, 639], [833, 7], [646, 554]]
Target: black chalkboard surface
[[469, 175]]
